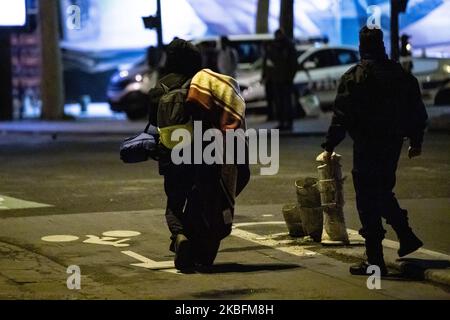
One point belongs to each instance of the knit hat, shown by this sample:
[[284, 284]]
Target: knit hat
[[183, 58], [371, 44]]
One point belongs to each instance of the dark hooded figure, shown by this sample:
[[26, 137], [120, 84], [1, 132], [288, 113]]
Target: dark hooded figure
[[279, 69], [183, 62], [200, 197], [379, 105]]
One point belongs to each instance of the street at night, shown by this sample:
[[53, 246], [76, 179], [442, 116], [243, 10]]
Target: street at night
[[78, 187], [257, 159]]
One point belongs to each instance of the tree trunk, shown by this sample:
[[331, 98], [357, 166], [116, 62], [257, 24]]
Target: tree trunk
[[287, 17], [6, 99], [262, 16], [52, 89]]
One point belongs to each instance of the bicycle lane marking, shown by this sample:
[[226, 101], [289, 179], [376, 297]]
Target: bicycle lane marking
[[10, 203]]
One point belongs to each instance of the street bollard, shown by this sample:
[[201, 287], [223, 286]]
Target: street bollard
[[308, 199], [330, 186], [291, 214]]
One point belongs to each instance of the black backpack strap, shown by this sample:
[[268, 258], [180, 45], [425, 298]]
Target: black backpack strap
[[165, 88], [147, 127], [187, 84]]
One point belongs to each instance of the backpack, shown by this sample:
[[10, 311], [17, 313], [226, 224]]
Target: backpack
[[172, 113]]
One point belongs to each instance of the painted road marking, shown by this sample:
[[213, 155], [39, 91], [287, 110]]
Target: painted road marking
[[285, 246], [107, 241], [2, 206], [111, 238], [246, 224], [166, 266], [277, 244], [290, 246], [121, 233], [9, 203], [60, 238]]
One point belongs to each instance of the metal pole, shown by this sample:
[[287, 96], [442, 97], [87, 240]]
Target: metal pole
[[394, 30], [159, 26]]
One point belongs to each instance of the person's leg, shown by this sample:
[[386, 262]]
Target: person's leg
[[366, 186], [270, 104], [288, 106], [177, 184], [177, 192], [397, 218], [278, 103], [391, 210], [371, 224]]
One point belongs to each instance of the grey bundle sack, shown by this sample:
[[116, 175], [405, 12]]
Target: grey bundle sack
[[141, 147]]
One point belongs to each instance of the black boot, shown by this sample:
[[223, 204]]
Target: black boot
[[409, 242], [374, 252], [183, 260], [360, 269]]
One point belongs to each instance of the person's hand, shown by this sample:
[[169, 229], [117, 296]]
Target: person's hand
[[414, 152], [324, 157]]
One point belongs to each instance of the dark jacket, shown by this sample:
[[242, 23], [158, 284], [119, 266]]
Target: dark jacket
[[280, 62], [377, 102], [211, 197]]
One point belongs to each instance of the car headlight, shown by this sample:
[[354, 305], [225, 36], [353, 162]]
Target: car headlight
[[139, 78], [123, 73], [446, 68]]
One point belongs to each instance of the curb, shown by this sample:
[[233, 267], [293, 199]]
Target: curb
[[410, 267]]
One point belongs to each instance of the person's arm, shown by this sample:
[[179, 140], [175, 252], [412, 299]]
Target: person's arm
[[235, 56], [264, 67], [418, 117], [154, 96], [337, 131], [293, 62]]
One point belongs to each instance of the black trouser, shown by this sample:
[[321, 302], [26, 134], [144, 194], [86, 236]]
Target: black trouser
[[374, 168], [183, 217], [178, 182], [282, 98], [271, 111]]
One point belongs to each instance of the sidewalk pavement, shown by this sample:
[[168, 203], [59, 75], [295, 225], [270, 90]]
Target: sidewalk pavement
[[439, 121], [423, 264], [308, 126]]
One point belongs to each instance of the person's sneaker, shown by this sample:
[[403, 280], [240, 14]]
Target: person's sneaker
[[360, 269], [183, 260], [409, 244]]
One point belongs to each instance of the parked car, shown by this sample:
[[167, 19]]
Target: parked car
[[319, 70], [128, 89], [129, 86], [321, 67], [434, 76]]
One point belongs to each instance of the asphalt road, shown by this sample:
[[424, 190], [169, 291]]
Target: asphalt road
[[89, 191]]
